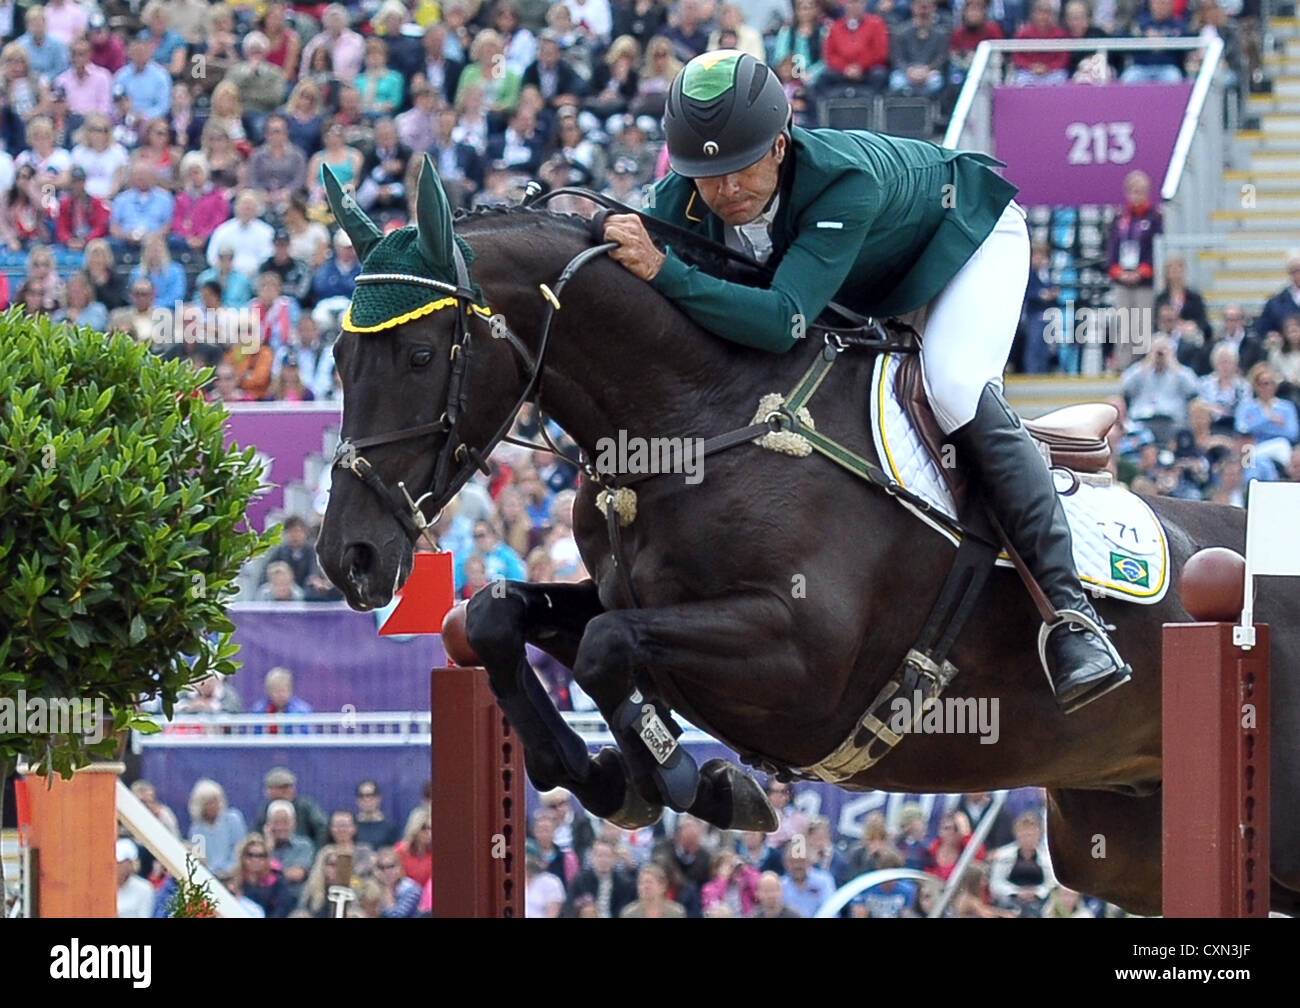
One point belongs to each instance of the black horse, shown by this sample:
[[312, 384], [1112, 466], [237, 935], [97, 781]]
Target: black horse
[[775, 597]]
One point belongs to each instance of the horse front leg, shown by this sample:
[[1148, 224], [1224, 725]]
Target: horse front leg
[[499, 619], [713, 646]]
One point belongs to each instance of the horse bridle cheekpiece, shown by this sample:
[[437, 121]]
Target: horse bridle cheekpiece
[[399, 272]]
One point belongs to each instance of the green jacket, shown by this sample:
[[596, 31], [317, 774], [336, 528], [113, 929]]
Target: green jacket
[[876, 223]]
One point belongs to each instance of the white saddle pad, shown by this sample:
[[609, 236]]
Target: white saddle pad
[[1120, 548]]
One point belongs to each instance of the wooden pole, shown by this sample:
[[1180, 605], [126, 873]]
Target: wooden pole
[[1215, 804], [478, 801]]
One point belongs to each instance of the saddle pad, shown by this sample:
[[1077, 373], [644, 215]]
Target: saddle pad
[[1120, 549]]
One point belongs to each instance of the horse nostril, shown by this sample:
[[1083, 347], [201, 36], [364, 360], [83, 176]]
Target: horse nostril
[[358, 560]]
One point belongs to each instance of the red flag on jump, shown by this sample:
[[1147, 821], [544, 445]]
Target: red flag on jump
[[425, 599]]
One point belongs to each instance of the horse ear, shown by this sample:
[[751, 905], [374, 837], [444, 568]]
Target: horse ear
[[433, 219], [351, 218]]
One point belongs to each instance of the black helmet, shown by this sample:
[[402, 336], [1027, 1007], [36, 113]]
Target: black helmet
[[724, 110]]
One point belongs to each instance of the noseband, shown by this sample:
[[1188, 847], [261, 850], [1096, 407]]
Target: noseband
[[408, 512]]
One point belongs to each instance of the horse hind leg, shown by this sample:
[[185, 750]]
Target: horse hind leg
[[1107, 845], [497, 624]]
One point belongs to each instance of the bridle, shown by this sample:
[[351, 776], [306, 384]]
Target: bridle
[[455, 450]]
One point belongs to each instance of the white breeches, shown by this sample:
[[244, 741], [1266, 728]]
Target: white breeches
[[972, 322]]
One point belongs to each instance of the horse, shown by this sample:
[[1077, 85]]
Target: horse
[[773, 597]]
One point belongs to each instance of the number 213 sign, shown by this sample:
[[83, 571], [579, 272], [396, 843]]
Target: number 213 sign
[[1100, 143]]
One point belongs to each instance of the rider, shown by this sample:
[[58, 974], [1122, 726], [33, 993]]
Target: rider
[[885, 226]]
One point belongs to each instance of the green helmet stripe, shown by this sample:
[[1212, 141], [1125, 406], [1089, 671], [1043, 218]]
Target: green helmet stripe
[[705, 79]]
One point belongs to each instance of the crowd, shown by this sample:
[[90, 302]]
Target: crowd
[[286, 864]]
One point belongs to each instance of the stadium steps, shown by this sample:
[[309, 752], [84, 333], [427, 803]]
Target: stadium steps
[[1260, 217], [1034, 395]]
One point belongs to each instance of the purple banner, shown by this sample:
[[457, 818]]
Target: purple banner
[[286, 433], [1074, 143], [336, 657]]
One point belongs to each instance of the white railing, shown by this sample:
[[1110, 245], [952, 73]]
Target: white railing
[[365, 729]]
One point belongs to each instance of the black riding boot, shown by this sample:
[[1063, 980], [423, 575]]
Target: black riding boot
[[1018, 485]]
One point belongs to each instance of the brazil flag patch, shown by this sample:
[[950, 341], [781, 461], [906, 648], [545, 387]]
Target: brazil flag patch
[[1130, 570], [710, 74]]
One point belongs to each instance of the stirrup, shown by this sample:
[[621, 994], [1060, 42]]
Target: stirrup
[[1075, 619]]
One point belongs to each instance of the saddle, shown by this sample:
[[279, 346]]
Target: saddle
[[1073, 437]]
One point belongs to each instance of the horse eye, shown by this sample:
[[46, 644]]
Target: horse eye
[[421, 358]]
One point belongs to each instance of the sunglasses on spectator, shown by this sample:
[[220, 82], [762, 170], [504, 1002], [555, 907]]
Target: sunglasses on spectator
[[255, 854], [387, 864], [367, 794]]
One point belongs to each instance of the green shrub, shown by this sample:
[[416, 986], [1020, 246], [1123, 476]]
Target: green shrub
[[121, 528]]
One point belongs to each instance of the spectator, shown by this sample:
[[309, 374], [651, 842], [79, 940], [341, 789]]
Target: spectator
[[261, 84], [346, 163], [295, 281], [856, 52], [487, 69], [441, 71], [585, 158], [1188, 304], [1157, 66], [212, 694], [309, 241], [686, 850], [43, 278], [65, 20], [604, 882], [975, 805], [641, 19], [1250, 348], [236, 289], [756, 850], [543, 892], [108, 285], [460, 166], [295, 550], [102, 160], [804, 888], [284, 44], [792, 821], [318, 891], [1281, 305], [954, 834], [1041, 67], [304, 118], [559, 862], [24, 219], [822, 853], [1083, 67], [372, 827], [688, 32], [890, 900], [145, 83], [280, 784], [228, 113], [140, 212], [770, 897], [499, 560], [865, 856], [652, 891], [50, 161], [166, 275], [975, 28], [291, 853], [345, 47], [417, 127], [1041, 296], [919, 54], [558, 83], [401, 36], [89, 87], [24, 92], [48, 55], [107, 50], [225, 165], [1157, 389], [275, 314], [381, 89], [280, 700], [135, 896], [214, 825], [279, 586], [747, 38], [256, 881], [401, 895], [734, 884], [82, 217], [1284, 358], [1020, 874], [1130, 256], [199, 207], [614, 81], [1223, 390], [913, 844], [661, 66], [1189, 350], [333, 283], [415, 849], [248, 235], [81, 308], [382, 192], [1270, 420]]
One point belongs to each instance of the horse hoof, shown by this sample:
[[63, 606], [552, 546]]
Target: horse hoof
[[750, 809], [636, 812]]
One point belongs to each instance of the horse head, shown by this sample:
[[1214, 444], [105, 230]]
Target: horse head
[[408, 439]]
